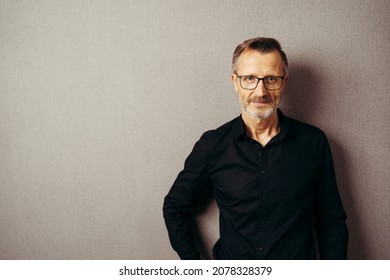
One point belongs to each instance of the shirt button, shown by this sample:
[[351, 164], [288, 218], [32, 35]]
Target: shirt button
[[262, 198], [259, 249], [263, 172]]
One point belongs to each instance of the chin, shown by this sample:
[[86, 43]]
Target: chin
[[264, 114]]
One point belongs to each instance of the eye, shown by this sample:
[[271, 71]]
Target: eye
[[271, 79], [249, 79]]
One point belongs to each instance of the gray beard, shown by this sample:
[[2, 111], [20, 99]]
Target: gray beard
[[264, 115]]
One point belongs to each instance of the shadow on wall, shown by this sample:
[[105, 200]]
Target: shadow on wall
[[302, 100], [302, 97]]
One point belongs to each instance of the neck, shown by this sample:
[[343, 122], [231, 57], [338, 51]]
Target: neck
[[261, 130]]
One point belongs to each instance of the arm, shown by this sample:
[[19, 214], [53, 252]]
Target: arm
[[180, 201], [331, 227]]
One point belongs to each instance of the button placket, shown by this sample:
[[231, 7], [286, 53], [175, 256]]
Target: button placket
[[263, 194]]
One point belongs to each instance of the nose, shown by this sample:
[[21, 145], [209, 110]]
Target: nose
[[260, 90]]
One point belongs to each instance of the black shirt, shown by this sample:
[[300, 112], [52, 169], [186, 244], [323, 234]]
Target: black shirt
[[271, 198]]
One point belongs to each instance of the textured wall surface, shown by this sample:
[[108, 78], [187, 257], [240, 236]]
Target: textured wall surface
[[101, 102]]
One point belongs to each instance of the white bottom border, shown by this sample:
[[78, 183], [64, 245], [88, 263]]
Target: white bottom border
[[175, 269]]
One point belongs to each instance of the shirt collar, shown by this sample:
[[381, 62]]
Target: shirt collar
[[239, 128], [284, 125]]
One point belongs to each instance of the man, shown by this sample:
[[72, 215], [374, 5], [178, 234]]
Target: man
[[272, 176]]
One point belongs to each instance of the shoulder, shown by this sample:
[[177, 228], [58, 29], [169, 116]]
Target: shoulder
[[306, 135], [222, 134], [304, 129]]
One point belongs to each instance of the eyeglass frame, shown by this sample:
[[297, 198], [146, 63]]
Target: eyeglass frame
[[260, 79]]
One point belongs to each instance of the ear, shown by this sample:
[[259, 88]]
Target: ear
[[233, 78], [285, 81]]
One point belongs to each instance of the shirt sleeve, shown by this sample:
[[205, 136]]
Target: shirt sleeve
[[181, 199], [331, 227]]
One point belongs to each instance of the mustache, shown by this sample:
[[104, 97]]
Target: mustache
[[263, 99]]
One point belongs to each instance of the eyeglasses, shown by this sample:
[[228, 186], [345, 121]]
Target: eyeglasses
[[270, 82]]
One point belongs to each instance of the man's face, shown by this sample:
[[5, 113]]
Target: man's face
[[259, 103]]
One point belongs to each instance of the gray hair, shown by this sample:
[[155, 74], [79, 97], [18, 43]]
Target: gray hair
[[260, 44]]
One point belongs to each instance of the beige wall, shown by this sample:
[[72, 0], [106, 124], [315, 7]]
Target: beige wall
[[101, 101]]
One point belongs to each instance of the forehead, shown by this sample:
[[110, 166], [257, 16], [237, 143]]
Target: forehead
[[255, 62]]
